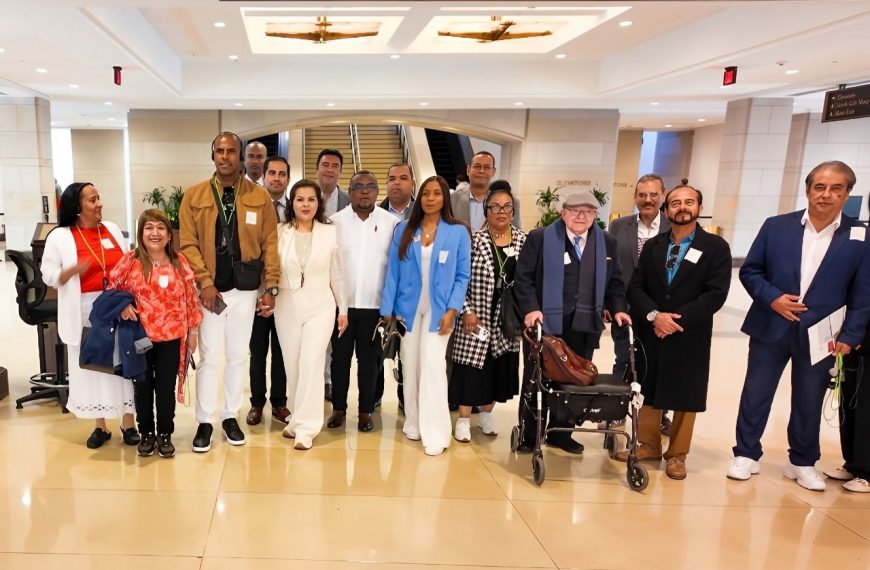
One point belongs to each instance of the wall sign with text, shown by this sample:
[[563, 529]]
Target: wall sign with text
[[847, 103]]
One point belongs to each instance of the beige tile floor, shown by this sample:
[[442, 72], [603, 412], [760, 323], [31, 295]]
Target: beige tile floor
[[358, 501]]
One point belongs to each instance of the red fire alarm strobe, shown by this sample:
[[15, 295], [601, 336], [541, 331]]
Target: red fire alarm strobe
[[117, 69], [730, 75]]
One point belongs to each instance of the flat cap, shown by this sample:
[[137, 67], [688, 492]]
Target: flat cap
[[579, 197]]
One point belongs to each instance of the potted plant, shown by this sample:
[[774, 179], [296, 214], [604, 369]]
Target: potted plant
[[548, 200], [170, 202]]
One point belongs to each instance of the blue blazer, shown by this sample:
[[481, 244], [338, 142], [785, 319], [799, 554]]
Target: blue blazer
[[773, 268], [449, 273]]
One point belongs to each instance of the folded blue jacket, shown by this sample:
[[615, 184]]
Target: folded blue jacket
[[107, 325]]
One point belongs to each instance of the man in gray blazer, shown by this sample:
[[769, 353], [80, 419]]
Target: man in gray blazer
[[329, 163], [468, 204], [631, 233]]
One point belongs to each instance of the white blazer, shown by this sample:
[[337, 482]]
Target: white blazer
[[322, 271], [60, 254]]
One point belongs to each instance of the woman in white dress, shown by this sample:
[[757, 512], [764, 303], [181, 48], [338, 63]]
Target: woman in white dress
[[311, 287], [79, 256]]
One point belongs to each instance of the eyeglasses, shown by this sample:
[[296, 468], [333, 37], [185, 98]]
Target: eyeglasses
[[499, 208], [484, 167], [372, 187], [583, 212], [672, 257]]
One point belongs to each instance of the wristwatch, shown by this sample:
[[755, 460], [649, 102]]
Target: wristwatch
[[272, 291], [651, 316]]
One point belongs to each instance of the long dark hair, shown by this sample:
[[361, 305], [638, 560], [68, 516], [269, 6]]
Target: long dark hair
[[416, 217], [70, 204], [319, 215]]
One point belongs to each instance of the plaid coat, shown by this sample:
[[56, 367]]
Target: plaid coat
[[467, 349]]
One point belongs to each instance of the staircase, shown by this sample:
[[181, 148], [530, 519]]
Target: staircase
[[379, 146], [329, 136]]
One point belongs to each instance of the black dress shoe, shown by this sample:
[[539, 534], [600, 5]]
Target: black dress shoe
[[336, 420], [453, 407], [147, 445], [365, 422], [98, 438], [202, 439], [566, 444], [232, 431], [131, 436]]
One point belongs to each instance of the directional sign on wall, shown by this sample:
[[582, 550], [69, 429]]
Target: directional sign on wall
[[847, 103]]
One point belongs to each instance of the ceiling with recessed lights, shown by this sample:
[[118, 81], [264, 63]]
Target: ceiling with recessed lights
[[659, 63]]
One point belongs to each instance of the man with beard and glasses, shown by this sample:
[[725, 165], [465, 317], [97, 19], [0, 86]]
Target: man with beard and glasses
[[364, 236], [681, 281], [263, 335]]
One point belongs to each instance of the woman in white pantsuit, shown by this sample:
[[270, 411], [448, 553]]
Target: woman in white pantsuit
[[311, 287], [427, 275]]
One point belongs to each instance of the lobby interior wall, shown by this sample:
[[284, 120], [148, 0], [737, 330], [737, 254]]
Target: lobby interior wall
[[98, 157], [626, 171], [673, 156], [704, 165]]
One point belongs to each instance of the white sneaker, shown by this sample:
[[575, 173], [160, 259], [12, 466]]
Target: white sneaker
[[412, 435], [857, 485], [807, 477], [742, 468], [462, 431], [433, 450], [839, 474], [487, 424]]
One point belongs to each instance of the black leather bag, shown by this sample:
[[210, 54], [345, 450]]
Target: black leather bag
[[390, 334], [509, 317], [247, 275]]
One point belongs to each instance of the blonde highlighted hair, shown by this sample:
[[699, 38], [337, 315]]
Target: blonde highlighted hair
[[159, 216]]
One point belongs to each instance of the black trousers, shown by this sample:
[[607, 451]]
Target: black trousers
[[263, 334], [582, 344], [855, 417], [357, 337], [159, 384]]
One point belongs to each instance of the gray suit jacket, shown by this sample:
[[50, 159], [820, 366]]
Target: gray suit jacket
[[343, 199], [624, 230], [459, 200]]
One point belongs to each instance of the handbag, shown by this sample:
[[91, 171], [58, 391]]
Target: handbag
[[509, 314], [86, 331], [561, 364], [390, 332], [247, 275]]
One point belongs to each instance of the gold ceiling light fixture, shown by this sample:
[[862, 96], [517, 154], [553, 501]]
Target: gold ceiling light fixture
[[321, 32], [499, 33]]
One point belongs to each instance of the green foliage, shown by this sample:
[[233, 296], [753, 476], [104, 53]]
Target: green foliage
[[548, 200], [167, 200]]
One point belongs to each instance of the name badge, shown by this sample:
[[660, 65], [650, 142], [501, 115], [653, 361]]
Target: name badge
[[858, 233], [693, 255], [251, 218], [163, 281], [567, 258], [107, 243], [442, 256]]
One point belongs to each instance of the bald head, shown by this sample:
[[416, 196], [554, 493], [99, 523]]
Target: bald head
[[255, 156]]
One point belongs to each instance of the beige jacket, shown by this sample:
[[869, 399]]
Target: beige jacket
[[258, 236]]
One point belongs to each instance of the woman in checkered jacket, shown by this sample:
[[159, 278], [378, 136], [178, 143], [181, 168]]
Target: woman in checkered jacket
[[486, 364]]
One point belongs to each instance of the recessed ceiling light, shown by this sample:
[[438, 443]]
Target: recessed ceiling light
[[41, 70], [234, 57], [654, 103], [625, 23], [561, 56], [423, 103], [791, 71], [330, 104], [54, 123], [220, 25], [111, 118], [2, 50], [395, 56], [702, 120], [518, 104], [109, 103], [238, 104], [668, 126], [73, 85]]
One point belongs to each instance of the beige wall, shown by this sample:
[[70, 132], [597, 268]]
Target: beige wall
[[98, 158], [704, 166], [626, 171]]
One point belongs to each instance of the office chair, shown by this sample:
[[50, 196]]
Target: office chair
[[35, 309]]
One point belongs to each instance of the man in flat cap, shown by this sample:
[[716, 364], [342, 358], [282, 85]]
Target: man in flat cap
[[567, 275]]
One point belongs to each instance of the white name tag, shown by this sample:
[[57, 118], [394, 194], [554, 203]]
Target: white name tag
[[693, 255], [858, 233], [251, 218], [107, 243], [442, 256], [567, 258], [163, 281]]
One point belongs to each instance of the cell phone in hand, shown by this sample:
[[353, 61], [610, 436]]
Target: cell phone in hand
[[480, 333], [219, 305]]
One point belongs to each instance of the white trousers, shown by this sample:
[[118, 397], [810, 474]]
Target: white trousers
[[304, 321], [425, 371], [226, 334]]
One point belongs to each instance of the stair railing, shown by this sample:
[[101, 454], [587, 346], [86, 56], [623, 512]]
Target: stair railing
[[354, 148]]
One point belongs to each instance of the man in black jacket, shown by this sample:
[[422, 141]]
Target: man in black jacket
[[681, 280], [567, 275]]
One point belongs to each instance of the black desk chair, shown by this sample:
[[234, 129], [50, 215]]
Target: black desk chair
[[35, 309]]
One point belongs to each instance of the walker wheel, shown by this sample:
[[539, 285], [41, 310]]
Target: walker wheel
[[637, 477], [610, 444], [515, 438], [538, 467]]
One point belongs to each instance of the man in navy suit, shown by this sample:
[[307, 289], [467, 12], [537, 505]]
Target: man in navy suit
[[802, 267]]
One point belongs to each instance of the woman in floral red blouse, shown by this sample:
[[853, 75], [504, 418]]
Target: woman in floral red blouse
[[161, 282]]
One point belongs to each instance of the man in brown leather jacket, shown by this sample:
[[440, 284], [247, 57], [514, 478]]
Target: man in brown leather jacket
[[225, 221]]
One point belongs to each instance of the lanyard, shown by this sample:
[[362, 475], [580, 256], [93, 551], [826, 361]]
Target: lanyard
[[101, 261], [501, 263], [217, 196]]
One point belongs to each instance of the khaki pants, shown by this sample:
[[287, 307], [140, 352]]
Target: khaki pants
[[649, 434]]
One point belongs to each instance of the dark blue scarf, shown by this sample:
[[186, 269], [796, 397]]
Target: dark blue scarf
[[554, 274]]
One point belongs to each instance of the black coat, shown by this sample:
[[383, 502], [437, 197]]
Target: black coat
[[677, 368]]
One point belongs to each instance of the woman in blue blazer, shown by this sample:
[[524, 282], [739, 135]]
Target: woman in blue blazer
[[427, 275]]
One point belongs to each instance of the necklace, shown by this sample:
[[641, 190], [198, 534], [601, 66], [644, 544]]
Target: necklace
[[429, 233], [101, 261]]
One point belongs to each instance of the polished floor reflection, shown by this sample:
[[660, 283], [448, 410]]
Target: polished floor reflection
[[374, 500]]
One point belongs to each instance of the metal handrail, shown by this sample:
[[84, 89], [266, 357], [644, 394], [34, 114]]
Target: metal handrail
[[403, 144], [354, 148]]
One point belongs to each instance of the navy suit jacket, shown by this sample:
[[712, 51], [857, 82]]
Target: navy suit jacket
[[773, 268]]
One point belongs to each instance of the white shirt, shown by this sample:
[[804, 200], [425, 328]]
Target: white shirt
[[583, 238], [259, 181], [364, 247], [652, 231], [424, 304], [330, 206], [813, 249]]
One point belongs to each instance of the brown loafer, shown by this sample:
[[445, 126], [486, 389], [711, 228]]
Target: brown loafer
[[676, 469], [365, 422], [255, 416], [281, 415], [643, 454], [336, 420]]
